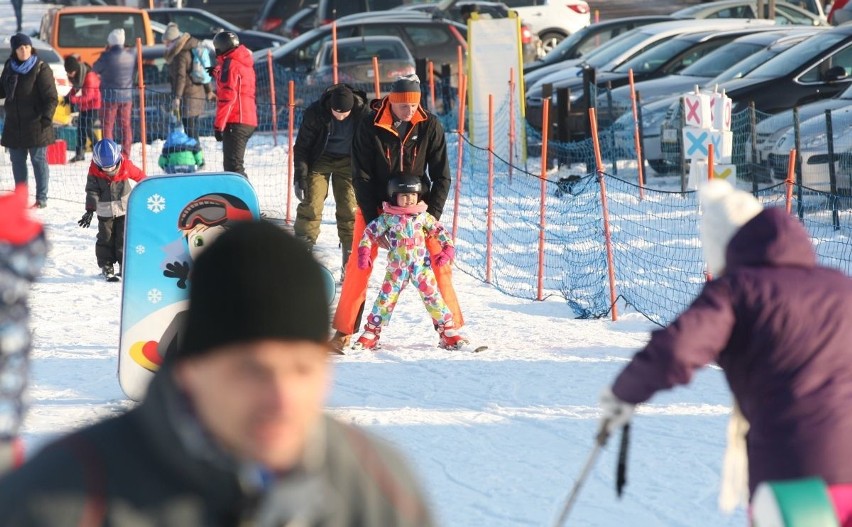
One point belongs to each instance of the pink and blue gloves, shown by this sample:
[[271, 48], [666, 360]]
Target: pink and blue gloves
[[445, 256], [364, 260]]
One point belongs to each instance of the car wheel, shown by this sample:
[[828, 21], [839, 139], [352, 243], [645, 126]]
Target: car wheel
[[549, 40], [662, 167]]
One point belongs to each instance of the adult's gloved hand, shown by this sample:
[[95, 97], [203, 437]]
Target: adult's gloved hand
[[86, 220], [616, 413], [211, 70], [299, 189], [218, 135], [364, 260], [179, 270], [445, 256]]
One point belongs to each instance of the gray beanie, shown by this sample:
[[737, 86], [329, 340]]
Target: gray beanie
[[172, 32]]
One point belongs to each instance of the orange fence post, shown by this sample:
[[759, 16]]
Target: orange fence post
[[141, 84], [291, 127], [511, 121], [791, 174], [376, 84], [431, 73], [457, 195], [607, 234], [334, 50], [272, 97], [545, 116], [489, 214], [637, 141], [710, 161]]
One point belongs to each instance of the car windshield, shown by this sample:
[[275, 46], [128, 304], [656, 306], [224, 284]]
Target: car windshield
[[568, 44], [364, 51], [798, 55], [721, 59], [87, 30], [655, 57], [49, 56], [615, 47]]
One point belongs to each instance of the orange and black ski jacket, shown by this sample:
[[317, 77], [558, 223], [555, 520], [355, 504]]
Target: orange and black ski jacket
[[380, 154]]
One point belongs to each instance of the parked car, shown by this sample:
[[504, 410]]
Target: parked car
[[663, 59], [274, 14], [301, 22], [818, 68], [591, 37], [328, 10], [452, 10], [203, 25], [242, 13], [813, 151], [785, 12], [83, 29], [771, 129], [437, 40], [552, 20], [355, 62]]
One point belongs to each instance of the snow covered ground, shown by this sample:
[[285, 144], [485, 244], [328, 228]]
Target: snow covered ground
[[497, 437]]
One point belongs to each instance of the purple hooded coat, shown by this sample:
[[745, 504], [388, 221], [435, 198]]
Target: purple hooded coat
[[781, 329]]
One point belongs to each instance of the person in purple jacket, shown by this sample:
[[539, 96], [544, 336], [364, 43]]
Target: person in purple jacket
[[780, 327]]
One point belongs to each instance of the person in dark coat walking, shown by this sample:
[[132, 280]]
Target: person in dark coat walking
[[22, 253], [236, 110], [107, 192], [323, 152], [29, 88], [232, 429], [116, 67], [189, 98], [86, 95], [18, 6], [777, 323], [398, 137]]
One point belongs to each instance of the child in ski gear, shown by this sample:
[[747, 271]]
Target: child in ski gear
[[396, 136], [232, 429], [181, 153], [86, 95], [22, 252], [777, 323], [107, 191], [405, 225]]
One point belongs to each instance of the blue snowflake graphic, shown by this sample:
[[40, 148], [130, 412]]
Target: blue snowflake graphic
[[140, 249], [156, 203], [155, 296]]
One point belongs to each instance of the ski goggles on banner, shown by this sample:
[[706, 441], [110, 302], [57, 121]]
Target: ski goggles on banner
[[211, 212]]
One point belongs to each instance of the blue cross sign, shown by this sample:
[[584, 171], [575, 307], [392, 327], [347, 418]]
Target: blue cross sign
[[696, 143]]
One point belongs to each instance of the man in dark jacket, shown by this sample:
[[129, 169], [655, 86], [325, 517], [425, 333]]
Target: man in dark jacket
[[116, 66], [190, 98], [398, 137], [86, 94], [778, 325], [29, 88], [322, 151], [236, 111], [232, 430]]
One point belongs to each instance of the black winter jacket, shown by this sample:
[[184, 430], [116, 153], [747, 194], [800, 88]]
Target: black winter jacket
[[316, 127], [31, 101], [154, 466], [379, 154]]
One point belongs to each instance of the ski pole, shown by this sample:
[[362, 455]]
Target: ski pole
[[600, 441], [621, 471]]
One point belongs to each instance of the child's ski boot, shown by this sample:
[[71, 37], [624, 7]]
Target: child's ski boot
[[369, 339], [450, 338]]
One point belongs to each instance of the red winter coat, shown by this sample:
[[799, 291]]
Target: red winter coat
[[88, 96], [107, 194], [235, 83]]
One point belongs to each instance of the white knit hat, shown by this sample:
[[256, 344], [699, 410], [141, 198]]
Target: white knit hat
[[724, 210], [116, 37]]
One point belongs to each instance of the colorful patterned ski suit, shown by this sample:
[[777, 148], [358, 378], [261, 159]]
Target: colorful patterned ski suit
[[408, 260]]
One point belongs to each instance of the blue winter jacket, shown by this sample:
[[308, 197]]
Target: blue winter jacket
[[116, 67]]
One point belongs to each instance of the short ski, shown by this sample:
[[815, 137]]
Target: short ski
[[465, 346]]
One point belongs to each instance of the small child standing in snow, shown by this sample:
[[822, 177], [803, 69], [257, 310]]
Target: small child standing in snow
[[406, 224], [107, 191], [181, 153]]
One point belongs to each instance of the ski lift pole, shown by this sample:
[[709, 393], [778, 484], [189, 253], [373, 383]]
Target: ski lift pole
[[600, 441]]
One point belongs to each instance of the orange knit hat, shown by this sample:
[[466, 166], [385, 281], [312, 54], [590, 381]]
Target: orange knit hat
[[405, 90]]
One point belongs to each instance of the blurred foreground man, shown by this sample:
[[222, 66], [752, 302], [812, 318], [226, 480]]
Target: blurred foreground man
[[232, 431]]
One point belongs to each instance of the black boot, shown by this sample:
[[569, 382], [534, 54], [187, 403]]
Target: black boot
[[345, 253]]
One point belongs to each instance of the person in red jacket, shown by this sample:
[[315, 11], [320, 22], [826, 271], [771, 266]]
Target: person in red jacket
[[86, 94], [107, 191], [236, 112]]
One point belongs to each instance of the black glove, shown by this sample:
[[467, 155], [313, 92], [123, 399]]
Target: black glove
[[299, 189], [211, 70], [179, 270], [86, 220], [218, 135]]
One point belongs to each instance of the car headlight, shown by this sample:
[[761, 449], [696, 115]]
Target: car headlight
[[812, 141]]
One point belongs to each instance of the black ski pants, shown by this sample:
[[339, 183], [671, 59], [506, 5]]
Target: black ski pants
[[109, 247], [234, 140]]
